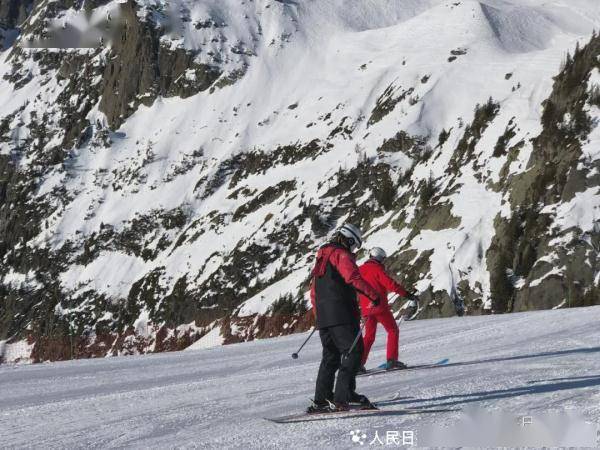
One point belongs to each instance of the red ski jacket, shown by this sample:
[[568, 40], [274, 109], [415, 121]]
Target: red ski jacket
[[374, 273], [335, 282]]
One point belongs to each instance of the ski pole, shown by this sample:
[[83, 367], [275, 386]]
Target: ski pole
[[295, 355], [358, 335]]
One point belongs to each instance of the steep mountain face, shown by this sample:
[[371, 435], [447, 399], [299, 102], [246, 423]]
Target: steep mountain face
[[169, 168]]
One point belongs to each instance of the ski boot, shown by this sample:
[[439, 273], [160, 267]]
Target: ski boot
[[361, 370], [359, 400], [393, 364], [339, 406], [319, 407]]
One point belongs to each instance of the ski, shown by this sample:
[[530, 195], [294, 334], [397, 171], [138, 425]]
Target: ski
[[305, 417], [380, 369], [353, 414], [404, 318], [417, 312]]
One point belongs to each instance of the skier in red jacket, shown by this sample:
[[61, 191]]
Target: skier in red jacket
[[374, 273], [335, 283]]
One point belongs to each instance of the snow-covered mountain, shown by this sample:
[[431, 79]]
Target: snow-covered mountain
[[173, 175]]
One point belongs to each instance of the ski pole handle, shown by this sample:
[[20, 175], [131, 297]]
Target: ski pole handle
[[295, 354]]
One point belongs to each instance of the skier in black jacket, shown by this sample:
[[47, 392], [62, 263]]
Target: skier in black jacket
[[335, 282]]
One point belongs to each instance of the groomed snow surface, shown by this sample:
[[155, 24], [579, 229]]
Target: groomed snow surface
[[539, 367]]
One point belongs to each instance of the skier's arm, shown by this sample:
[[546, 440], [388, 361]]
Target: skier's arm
[[348, 269], [391, 285]]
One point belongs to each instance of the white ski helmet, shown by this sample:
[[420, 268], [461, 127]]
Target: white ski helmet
[[353, 235], [378, 253]]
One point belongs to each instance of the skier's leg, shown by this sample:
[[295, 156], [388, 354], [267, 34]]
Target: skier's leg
[[343, 336], [369, 338], [330, 363], [389, 323], [356, 366]]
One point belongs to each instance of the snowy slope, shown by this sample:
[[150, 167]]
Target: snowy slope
[[203, 202], [533, 364], [222, 123]]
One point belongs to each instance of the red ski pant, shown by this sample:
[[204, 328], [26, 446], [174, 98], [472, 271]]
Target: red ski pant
[[386, 319]]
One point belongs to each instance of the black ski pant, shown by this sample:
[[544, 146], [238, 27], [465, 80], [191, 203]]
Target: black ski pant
[[336, 342]]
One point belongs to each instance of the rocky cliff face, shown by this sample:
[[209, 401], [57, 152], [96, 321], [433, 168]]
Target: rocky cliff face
[[169, 168]]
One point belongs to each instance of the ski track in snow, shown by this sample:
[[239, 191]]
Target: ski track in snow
[[528, 363]]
